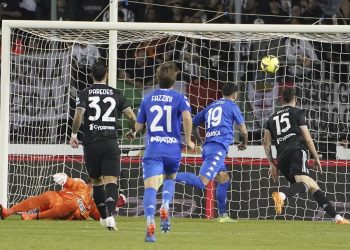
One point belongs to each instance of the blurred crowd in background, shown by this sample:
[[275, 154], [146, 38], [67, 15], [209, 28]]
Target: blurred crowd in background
[[194, 11]]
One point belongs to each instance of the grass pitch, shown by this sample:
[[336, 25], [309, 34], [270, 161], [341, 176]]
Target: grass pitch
[[186, 234]]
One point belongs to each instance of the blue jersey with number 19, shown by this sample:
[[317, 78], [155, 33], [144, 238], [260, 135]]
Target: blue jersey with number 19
[[162, 111], [219, 118]]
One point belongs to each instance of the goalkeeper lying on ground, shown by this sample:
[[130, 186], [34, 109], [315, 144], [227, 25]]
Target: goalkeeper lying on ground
[[73, 202]]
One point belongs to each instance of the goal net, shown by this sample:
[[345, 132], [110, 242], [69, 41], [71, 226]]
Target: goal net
[[47, 66]]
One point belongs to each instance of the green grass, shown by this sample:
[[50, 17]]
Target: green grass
[[186, 234]]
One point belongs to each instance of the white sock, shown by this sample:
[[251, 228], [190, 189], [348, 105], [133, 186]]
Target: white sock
[[150, 220], [282, 195], [338, 218]]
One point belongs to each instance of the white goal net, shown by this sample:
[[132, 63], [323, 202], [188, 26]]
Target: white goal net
[[48, 65]]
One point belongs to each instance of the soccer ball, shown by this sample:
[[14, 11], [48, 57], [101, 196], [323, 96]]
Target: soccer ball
[[270, 64]]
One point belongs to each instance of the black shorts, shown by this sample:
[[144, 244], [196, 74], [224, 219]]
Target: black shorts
[[102, 158], [294, 163]]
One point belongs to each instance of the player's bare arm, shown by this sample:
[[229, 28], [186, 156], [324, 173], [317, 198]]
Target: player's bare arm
[[139, 127], [78, 117], [129, 113], [187, 124], [273, 171], [244, 134], [311, 146], [195, 132]]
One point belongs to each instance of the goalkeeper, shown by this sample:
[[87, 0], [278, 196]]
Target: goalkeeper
[[219, 118], [72, 202]]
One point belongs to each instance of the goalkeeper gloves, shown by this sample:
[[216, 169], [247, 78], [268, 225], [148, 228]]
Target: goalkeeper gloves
[[60, 178]]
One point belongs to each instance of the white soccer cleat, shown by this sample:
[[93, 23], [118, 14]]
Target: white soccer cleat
[[110, 223], [341, 220]]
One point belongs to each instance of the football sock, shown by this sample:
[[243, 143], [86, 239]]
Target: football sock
[[190, 179], [168, 192], [324, 203], [100, 199], [221, 196], [294, 189], [111, 190], [150, 202]]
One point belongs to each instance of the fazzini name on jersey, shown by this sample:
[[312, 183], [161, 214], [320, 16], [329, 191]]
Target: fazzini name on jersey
[[162, 98]]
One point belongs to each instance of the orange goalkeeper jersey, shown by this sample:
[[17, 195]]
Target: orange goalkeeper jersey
[[76, 189]]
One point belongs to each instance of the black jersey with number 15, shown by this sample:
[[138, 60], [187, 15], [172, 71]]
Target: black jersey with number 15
[[103, 106], [284, 126]]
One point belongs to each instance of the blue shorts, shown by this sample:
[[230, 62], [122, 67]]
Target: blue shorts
[[214, 155], [157, 165]]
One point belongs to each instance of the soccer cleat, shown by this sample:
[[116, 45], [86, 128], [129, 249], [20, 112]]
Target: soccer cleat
[[2, 212], [164, 220], [150, 237], [25, 216], [225, 219], [342, 222], [279, 202], [121, 201], [110, 223]]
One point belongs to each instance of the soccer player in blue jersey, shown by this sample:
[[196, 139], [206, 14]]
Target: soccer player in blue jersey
[[162, 112], [219, 118]]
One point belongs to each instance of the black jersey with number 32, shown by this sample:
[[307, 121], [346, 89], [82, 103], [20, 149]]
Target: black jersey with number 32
[[284, 126], [103, 105]]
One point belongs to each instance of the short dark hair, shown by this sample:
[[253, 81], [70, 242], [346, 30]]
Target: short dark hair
[[166, 75], [288, 94], [98, 70], [229, 89]]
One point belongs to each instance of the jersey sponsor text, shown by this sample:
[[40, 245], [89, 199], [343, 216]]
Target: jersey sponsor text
[[164, 139], [98, 127], [284, 138], [212, 133]]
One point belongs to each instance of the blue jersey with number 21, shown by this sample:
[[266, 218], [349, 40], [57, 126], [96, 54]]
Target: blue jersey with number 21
[[219, 118], [162, 111]]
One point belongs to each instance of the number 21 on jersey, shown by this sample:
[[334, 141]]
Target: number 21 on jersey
[[155, 127]]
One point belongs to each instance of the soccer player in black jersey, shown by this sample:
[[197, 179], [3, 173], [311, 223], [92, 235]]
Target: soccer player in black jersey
[[288, 130], [100, 106]]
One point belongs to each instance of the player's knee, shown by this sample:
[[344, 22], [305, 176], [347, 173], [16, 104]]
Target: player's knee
[[97, 181], [204, 181], [310, 183], [110, 179], [152, 182], [222, 177]]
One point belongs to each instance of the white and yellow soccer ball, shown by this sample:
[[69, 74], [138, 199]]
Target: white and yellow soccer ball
[[270, 64]]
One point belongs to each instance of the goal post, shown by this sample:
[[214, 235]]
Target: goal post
[[41, 70], [4, 110]]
